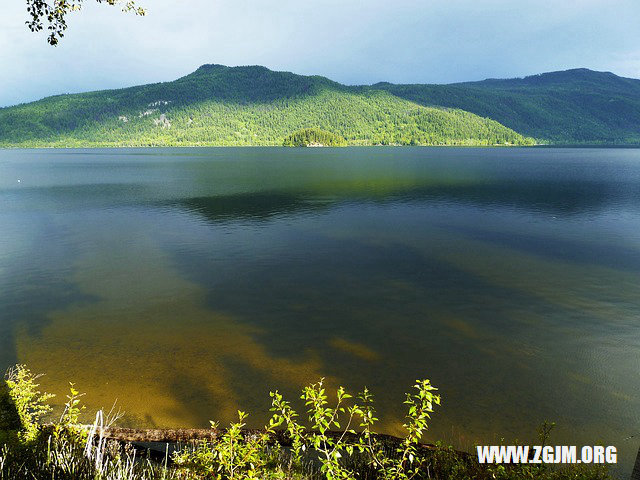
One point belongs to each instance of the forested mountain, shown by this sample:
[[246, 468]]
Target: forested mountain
[[218, 105], [572, 106]]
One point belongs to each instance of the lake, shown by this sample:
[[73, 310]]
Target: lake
[[188, 283]]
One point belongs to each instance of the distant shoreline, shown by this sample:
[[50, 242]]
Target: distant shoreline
[[117, 147]]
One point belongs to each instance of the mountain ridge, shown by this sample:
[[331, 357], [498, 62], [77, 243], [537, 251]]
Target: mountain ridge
[[567, 106], [253, 105]]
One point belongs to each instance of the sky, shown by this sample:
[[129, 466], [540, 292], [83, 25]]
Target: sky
[[350, 41]]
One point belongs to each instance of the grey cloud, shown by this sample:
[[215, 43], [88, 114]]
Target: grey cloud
[[352, 41]]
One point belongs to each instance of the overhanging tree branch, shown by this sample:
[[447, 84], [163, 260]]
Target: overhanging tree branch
[[52, 14]]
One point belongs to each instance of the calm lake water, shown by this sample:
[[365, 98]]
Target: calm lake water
[[187, 283]]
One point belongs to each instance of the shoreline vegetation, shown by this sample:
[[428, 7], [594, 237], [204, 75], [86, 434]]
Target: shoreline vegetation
[[497, 146], [336, 441], [118, 146], [314, 137], [277, 143]]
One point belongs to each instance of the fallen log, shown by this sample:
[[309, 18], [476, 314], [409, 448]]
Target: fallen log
[[191, 435]]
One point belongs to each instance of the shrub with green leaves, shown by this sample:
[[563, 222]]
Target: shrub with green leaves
[[338, 436], [233, 456], [345, 416], [31, 405]]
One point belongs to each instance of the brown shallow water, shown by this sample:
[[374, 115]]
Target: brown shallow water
[[187, 283]]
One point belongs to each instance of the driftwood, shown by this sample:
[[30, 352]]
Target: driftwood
[[147, 440], [190, 435], [635, 475]]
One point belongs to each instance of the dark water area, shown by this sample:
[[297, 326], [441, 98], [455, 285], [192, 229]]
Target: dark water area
[[187, 283]]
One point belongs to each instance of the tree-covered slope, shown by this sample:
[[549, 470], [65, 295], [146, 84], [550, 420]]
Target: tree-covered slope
[[573, 106], [218, 105]]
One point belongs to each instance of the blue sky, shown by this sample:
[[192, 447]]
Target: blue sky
[[351, 41]]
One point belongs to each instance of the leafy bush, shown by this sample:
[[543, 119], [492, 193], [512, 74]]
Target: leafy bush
[[234, 456], [331, 448], [30, 404], [338, 436]]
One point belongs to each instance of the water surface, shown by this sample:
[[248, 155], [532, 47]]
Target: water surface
[[187, 283]]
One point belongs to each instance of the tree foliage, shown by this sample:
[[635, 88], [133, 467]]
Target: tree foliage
[[52, 14], [309, 137], [218, 105], [573, 106], [30, 404]]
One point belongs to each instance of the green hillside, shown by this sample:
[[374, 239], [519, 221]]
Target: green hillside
[[218, 105], [573, 106]]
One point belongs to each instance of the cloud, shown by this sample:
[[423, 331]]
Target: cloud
[[352, 41], [627, 63]]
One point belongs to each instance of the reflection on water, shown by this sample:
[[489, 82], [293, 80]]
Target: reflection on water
[[247, 206], [187, 283]]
